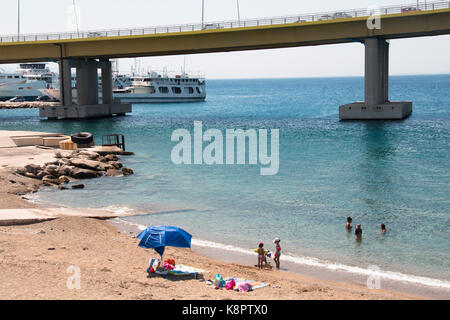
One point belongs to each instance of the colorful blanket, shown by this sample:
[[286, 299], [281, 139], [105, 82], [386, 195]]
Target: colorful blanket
[[255, 284], [182, 270]]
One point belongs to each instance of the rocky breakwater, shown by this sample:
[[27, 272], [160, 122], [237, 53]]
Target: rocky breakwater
[[75, 165]]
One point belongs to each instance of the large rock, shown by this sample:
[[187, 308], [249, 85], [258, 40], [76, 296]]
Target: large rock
[[111, 157], [115, 164], [88, 164], [50, 181], [63, 154], [41, 175], [52, 169], [21, 171], [30, 175], [79, 173], [127, 171], [114, 173], [63, 180], [88, 154], [33, 168]]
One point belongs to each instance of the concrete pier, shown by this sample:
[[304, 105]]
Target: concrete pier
[[376, 88], [88, 105], [85, 111]]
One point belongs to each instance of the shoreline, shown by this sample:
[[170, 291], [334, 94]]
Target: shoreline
[[230, 254], [63, 232]]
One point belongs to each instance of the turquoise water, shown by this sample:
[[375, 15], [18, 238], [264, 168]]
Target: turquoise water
[[392, 172]]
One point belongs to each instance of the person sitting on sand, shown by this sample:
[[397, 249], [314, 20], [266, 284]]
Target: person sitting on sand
[[383, 228], [358, 232], [277, 255], [348, 225], [261, 255]]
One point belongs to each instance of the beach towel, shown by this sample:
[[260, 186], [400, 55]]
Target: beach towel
[[254, 284], [244, 286], [182, 270]]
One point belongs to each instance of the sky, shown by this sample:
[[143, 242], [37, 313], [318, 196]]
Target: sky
[[426, 55]]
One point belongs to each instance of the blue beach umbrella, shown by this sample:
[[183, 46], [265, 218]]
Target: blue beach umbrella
[[158, 237]]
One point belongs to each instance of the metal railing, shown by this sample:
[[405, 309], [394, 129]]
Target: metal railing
[[332, 15]]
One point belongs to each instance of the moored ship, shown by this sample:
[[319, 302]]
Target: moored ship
[[150, 88], [28, 81], [155, 88]]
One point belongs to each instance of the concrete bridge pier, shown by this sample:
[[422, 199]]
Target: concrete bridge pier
[[87, 91], [376, 88]]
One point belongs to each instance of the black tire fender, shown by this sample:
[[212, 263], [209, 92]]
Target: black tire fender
[[82, 137]]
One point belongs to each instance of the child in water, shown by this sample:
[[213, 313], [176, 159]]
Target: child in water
[[261, 255], [277, 255], [383, 228], [358, 232]]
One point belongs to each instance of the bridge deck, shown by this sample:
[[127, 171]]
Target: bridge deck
[[227, 36]]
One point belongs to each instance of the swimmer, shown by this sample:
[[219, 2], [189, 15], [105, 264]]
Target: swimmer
[[348, 225], [358, 232]]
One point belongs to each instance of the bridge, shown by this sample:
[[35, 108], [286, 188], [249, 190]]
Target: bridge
[[92, 50]]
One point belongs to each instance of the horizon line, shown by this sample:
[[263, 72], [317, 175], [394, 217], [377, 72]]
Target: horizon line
[[321, 77]]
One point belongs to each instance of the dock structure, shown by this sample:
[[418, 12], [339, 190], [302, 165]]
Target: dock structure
[[88, 51]]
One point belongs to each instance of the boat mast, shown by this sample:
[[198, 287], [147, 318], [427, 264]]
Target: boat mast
[[18, 19], [203, 13], [238, 12], [76, 17]]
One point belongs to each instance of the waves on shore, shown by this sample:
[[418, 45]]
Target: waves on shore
[[317, 263]]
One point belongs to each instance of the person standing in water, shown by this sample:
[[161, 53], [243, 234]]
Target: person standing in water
[[358, 232], [277, 255], [348, 225], [383, 228]]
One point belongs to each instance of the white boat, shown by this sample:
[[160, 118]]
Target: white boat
[[28, 81], [150, 88], [154, 88]]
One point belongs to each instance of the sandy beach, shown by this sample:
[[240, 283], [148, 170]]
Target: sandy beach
[[35, 258]]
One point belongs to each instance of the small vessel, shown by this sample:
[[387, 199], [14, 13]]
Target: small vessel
[[28, 81]]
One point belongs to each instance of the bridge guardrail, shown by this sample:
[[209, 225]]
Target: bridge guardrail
[[331, 15]]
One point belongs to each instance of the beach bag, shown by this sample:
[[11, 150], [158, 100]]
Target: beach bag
[[168, 266], [218, 282], [245, 287], [154, 263], [230, 285], [170, 261]]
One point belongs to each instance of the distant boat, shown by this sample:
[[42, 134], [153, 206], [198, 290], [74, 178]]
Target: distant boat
[[27, 81], [150, 88], [156, 88]]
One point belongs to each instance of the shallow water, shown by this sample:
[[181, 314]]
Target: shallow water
[[392, 172]]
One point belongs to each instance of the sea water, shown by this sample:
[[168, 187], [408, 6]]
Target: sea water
[[391, 172]]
